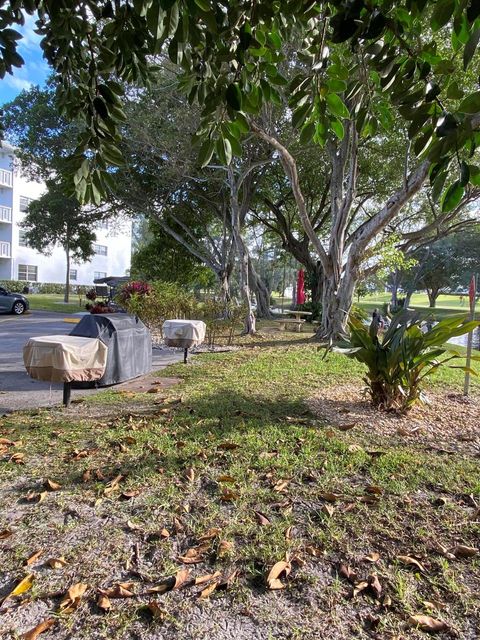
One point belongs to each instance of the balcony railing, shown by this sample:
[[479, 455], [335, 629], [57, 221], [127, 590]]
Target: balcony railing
[[5, 214], [6, 178], [5, 250]]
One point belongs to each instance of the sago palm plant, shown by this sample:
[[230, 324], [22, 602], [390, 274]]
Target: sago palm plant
[[399, 361]]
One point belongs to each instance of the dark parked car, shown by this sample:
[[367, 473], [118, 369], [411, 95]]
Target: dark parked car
[[12, 302]]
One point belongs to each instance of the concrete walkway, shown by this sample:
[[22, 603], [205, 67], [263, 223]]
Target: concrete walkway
[[17, 389]]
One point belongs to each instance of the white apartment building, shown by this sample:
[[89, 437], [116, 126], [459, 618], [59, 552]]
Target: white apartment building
[[113, 245]]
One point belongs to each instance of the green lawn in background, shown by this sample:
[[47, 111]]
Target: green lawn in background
[[54, 302], [446, 304]]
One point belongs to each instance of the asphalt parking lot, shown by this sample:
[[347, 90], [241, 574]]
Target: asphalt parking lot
[[17, 389]]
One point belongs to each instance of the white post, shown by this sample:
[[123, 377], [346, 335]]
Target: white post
[[472, 296]]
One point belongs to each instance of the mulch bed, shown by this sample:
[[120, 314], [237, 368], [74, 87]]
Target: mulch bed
[[449, 423]]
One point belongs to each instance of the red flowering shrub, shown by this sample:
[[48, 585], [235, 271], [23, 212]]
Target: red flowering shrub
[[134, 288], [101, 308]]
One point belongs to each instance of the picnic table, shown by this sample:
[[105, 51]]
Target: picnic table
[[297, 320]]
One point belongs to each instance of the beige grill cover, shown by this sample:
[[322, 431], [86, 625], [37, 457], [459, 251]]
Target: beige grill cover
[[65, 358], [184, 333]]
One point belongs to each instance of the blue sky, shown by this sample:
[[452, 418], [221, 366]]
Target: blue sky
[[34, 71]]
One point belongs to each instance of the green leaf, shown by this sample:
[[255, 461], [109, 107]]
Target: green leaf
[[337, 128], [471, 104], [206, 152], [452, 196], [300, 114], [442, 13], [233, 96], [471, 47], [307, 133], [203, 5], [336, 106], [474, 175]]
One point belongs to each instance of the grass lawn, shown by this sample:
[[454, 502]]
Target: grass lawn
[[446, 305], [53, 302], [229, 472]]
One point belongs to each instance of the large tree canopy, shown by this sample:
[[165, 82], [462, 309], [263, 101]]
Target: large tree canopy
[[230, 57]]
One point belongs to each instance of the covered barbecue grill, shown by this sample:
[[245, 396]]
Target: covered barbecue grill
[[184, 334], [103, 349], [128, 341]]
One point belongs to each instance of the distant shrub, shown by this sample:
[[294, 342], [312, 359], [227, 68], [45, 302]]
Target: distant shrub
[[91, 294], [156, 302]]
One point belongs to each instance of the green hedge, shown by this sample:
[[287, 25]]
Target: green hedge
[[49, 288]]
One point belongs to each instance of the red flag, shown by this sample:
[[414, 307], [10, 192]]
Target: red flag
[[472, 293]]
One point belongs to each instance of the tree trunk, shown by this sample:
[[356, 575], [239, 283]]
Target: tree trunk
[[66, 296], [224, 279], [242, 253], [317, 284], [432, 297], [262, 293], [408, 299], [395, 288], [336, 305]]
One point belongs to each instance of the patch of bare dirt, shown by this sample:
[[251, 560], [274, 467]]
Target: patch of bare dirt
[[450, 422]]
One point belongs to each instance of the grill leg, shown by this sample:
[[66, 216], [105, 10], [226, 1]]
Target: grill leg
[[185, 356], [67, 392]]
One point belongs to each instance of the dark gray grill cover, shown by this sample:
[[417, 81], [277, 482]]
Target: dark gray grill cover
[[129, 344]]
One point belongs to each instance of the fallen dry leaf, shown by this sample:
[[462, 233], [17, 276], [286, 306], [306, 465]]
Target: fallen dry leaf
[[132, 526], [181, 577], [348, 573], [157, 612], [36, 497], [374, 489], [409, 561], [427, 623], [372, 557], [190, 474], [128, 495], [226, 478], [120, 590], [316, 552], [228, 446], [359, 587], [17, 458], [329, 496], [22, 586], [72, 598], [210, 534], [34, 557], [209, 576], [103, 602], [205, 593], [273, 578], [462, 551], [262, 519], [228, 496], [6, 533], [164, 533], [51, 485], [281, 485], [328, 510], [374, 584], [224, 547], [40, 628], [195, 554], [57, 563]]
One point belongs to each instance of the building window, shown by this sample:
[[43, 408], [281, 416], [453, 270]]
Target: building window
[[22, 242], [27, 272], [100, 249], [103, 224], [73, 274], [24, 202], [99, 274]]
